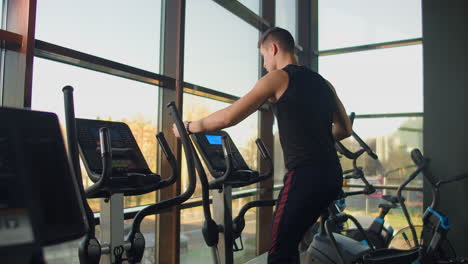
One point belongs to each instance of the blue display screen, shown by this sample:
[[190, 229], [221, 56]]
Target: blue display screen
[[214, 140]]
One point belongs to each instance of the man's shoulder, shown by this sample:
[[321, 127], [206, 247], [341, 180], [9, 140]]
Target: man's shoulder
[[275, 77]]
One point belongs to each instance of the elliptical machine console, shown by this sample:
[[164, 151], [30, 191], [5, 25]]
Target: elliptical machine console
[[130, 173], [229, 169], [117, 167], [210, 145]]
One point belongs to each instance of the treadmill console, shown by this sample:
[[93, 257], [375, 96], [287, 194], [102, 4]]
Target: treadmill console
[[126, 155], [209, 144]]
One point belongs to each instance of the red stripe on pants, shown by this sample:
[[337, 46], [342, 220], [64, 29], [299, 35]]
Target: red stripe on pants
[[280, 210]]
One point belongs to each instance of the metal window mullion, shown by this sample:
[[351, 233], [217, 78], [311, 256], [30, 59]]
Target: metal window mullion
[[373, 46], [17, 71], [265, 132], [307, 32], [61, 54], [238, 9], [172, 57], [390, 115]]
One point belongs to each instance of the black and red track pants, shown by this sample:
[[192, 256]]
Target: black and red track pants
[[306, 192]]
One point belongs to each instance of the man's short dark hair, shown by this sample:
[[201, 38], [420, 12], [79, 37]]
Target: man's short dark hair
[[279, 35]]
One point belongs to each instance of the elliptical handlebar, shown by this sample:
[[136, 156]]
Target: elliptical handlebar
[[106, 157], [156, 208], [89, 250], [356, 172], [454, 179], [366, 147], [135, 253], [266, 156], [227, 152], [348, 153], [421, 164], [361, 142], [170, 158]]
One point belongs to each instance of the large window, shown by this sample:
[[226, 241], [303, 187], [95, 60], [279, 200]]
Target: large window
[[286, 15], [1, 14], [377, 81], [101, 96], [354, 23], [116, 30], [392, 139], [382, 84], [220, 49]]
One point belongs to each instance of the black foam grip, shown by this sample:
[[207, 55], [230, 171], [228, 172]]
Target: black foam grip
[[104, 137], [366, 147], [417, 157], [352, 116], [164, 146], [262, 148]]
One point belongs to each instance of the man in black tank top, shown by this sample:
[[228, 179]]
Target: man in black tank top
[[310, 119]]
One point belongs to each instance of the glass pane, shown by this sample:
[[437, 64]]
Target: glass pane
[[392, 139], [253, 5], [68, 252], [193, 248], [286, 11], [365, 208], [220, 49], [101, 96], [1, 14], [354, 23], [377, 81], [116, 30], [243, 134]]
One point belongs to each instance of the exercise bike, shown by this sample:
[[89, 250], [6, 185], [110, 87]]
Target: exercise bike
[[330, 247], [379, 234]]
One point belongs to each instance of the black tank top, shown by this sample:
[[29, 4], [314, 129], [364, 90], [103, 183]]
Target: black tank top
[[304, 114]]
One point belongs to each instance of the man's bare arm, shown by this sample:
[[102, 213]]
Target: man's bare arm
[[264, 89], [342, 127]]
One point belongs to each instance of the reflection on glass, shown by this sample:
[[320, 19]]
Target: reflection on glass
[[193, 248], [392, 139], [116, 30], [253, 5], [286, 11], [68, 252], [220, 49], [243, 134], [347, 23], [105, 97], [378, 81]]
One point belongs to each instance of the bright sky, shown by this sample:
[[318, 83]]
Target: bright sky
[[1, 14], [221, 53]]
